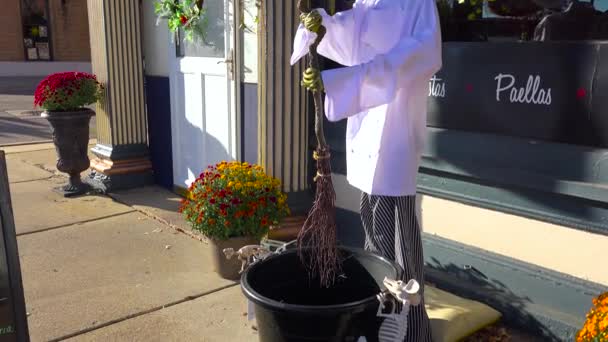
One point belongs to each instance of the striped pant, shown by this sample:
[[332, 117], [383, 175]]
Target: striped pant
[[392, 231]]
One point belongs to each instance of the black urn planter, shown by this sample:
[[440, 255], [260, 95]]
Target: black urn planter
[[291, 307], [71, 138]]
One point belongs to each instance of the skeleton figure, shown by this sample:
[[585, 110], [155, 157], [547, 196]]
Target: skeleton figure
[[247, 254], [394, 326]]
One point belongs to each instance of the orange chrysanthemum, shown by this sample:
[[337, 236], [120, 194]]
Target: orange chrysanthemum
[[596, 326]]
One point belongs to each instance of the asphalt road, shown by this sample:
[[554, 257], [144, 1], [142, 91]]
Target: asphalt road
[[19, 121]]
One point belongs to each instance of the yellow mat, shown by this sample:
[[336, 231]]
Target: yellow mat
[[454, 318]]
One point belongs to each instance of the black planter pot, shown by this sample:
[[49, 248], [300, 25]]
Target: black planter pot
[[291, 307], [71, 138]]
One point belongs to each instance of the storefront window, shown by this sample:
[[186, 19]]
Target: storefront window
[[517, 114], [36, 35], [533, 69], [523, 20]]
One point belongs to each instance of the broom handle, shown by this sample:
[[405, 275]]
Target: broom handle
[[313, 60]]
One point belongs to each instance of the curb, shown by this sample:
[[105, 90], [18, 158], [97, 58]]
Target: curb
[[31, 146]]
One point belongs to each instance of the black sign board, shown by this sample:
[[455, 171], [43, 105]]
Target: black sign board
[[13, 319], [545, 91]]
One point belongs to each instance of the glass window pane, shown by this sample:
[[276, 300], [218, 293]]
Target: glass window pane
[[35, 19], [213, 46]]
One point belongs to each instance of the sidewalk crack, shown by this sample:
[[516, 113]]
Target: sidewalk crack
[[141, 313], [76, 223]]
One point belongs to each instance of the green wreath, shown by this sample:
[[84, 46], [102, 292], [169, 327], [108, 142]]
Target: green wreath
[[188, 15]]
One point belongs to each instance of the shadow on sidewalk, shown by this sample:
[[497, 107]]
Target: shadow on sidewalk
[[14, 130], [502, 298]]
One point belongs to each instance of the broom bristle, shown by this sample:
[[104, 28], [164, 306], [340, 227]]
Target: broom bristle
[[317, 242]]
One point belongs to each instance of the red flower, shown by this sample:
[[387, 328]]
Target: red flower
[[183, 19], [273, 199], [223, 206], [51, 88], [212, 201], [222, 193]]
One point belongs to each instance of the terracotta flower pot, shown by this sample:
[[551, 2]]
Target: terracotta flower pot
[[229, 269], [71, 138]]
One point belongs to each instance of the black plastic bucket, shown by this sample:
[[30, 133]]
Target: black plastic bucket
[[291, 307]]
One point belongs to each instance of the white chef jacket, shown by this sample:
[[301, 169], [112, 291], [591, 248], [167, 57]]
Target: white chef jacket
[[391, 48]]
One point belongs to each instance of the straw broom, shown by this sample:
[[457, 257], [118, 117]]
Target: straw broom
[[318, 234]]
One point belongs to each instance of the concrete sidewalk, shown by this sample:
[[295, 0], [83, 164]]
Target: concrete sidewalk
[[124, 267], [96, 269]]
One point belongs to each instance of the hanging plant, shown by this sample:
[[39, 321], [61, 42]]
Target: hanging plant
[[473, 8], [187, 15]]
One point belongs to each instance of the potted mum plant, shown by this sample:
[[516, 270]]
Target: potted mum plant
[[64, 97], [233, 204]]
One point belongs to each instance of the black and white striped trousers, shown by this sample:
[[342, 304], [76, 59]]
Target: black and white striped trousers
[[392, 231]]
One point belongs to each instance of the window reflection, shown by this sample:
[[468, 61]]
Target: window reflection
[[523, 20]]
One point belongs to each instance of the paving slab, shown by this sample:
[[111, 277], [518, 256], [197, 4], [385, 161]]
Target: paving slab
[[20, 171], [155, 201], [213, 318], [86, 275], [45, 159], [37, 207]]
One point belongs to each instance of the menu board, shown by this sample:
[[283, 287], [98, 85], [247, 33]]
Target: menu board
[[13, 319]]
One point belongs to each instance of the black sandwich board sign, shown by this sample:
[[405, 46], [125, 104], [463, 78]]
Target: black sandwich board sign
[[13, 317]]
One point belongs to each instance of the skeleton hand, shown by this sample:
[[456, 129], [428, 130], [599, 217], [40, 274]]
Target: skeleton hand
[[312, 21], [404, 292], [228, 252], [312, 80]]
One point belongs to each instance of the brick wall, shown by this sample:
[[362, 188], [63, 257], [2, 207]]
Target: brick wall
[[70, 30], [11, 43]]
